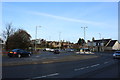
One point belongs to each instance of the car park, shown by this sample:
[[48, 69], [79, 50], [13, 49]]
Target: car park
[[18, 53], [116, 54]]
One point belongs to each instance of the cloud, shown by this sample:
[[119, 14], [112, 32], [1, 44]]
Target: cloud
[[66, 18]]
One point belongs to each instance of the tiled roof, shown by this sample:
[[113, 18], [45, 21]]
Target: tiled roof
[[105, 41], [111, 44]]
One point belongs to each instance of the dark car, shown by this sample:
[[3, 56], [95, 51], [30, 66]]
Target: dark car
[[18, 53], [56, 51], [116, 55]]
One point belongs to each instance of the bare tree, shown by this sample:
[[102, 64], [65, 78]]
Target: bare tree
[[9, 30]]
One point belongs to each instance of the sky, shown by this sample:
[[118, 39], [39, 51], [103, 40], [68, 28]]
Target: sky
[[63, 19]]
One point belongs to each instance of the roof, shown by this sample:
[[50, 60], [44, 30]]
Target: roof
[[111, 44], [102, 40], [105, 41]]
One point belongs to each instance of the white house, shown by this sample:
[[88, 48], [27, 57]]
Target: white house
[[104, 45]]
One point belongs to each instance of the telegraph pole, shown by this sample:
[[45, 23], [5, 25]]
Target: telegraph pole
[[84, 31], [100, 35], [59, 40], [36, 37]]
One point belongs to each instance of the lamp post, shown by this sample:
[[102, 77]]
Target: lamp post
[[100, 35], [36, 37], [59, 40], [84, 31]]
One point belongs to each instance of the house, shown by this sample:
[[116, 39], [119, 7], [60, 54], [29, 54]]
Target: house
[[104, 45], [41, 43], [1, 44]]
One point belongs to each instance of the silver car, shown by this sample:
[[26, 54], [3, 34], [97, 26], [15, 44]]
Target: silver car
[[116, 54]]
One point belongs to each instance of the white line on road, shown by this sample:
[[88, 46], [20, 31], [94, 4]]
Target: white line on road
[[95, 65], [86, 67], [79, 69], [50, 75], [37, 56], [105, 62]]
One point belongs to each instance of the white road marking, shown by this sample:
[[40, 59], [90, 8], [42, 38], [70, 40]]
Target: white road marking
[[95, 65], [37, 56], [79, 69], [82, 68], [50, 75], [86, 67], [105, 62]]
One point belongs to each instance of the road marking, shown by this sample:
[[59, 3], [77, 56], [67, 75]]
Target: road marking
[[82, 68], [37, 56], [79, 69], [105, 62], [86, 67], [50, 75], [95, 65]]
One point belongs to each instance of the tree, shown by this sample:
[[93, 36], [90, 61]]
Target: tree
[[81, 41], [9, 30], [93, 39], [20, 39]]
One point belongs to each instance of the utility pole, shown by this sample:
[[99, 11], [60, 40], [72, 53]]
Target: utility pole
[[84, 31], [59, 40], [100, 35], [36, 37]]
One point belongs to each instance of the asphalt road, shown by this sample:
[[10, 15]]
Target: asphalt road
[[102, 67], [42, 55]]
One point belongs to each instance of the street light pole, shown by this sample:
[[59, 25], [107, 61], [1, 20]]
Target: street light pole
[[59, 39], [84, 31], [100, 35], [36, 37]]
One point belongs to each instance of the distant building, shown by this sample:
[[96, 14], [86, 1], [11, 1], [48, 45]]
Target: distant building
[[41, 43], [104, 45], [1, 44]]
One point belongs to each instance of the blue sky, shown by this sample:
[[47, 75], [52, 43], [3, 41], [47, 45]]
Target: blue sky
[[64, 17]]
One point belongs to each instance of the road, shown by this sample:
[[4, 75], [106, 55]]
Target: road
[[43, 55], [102, 67]]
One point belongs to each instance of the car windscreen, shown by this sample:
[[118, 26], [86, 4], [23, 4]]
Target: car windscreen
[[15, 50]]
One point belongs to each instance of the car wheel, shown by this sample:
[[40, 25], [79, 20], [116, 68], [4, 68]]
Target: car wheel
[[29, 55], [19, 55]]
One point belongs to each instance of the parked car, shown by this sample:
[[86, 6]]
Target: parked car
[[69, 50], [46, 49], [56, 51], [18, 53], [116, 54], [51, 50], [85, 50]]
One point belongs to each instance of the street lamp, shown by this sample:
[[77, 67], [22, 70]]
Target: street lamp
[[84, 31], [36, 37], [59, 39], [100, 35]]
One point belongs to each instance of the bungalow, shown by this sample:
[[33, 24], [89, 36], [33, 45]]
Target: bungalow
[[104, 45]]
